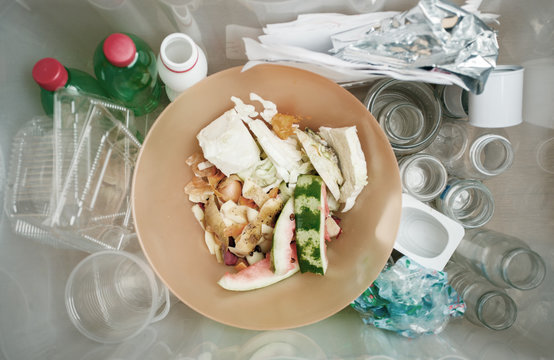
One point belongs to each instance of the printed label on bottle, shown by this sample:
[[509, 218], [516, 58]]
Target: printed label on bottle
[[445, 191]]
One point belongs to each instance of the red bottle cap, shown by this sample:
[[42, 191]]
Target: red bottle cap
[[119, 49], [50, 74]]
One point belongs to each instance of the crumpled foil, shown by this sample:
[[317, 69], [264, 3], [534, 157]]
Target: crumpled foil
[[434, 35], [410, 300]]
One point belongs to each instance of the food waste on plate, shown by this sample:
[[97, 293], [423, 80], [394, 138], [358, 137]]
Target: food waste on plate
[[266, 191]]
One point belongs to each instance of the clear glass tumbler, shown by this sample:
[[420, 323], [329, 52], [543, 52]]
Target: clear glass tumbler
[[469, 202], [504, 260], [409, 113], [486, 305], [423, 176]]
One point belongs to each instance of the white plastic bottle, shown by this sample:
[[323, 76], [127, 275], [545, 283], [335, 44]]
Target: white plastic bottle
[[181, 64]]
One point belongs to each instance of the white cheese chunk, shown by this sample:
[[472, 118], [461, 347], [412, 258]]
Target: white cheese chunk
[[227, 143], [352, 162]]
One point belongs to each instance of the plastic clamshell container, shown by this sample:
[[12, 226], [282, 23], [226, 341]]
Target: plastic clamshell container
[[425, 235], [92, 189], [29, 181], [71, 113]]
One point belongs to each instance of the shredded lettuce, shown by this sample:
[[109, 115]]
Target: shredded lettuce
[[263, 173]]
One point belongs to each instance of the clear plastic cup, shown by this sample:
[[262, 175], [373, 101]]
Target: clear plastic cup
[[111, 296]]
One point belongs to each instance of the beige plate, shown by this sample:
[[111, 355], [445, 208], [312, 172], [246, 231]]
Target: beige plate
[[174, 242]]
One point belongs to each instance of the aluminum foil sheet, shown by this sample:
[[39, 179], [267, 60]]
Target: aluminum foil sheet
[[435, 35]]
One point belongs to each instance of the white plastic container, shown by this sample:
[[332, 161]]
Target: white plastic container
[[425, 235], [181, 64]]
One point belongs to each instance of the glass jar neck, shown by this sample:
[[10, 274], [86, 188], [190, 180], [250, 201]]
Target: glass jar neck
[[491, 154], [469, 202], [423, 176], [523, 269], [496, 310]]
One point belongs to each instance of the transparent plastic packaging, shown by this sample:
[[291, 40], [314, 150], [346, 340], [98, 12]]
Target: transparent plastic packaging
[[409, 113], [69, 183], [469, 202], [92, 189], [29, 181], [504, 260], [486, 305], [472, 153]]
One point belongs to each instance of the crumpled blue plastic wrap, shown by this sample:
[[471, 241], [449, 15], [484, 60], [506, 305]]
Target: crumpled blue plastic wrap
[[410, 300]]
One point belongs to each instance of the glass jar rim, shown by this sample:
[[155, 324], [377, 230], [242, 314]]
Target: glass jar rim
[[479, 145], [406, 162], [455, 188], [538, 265], [376, 90], [511, 309]]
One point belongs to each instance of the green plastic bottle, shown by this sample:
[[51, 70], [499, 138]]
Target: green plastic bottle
[[51, 75], [126, 67]]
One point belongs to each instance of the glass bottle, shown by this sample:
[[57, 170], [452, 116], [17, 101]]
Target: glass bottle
[[409, 113], [504, 260], [51, 75], [126, 67], [472, 153], [181, 64], [485, 304], [467, 201], [423, 176]]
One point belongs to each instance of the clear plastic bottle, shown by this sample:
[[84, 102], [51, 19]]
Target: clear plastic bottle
[[423, 176], [485, 304], [126, 67], [472, 153], [409, 113], [51, 75], [504, 260], [181, 64], [467, 201]]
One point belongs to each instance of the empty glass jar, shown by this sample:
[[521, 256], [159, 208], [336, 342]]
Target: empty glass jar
[[472, 153], [409, 113], [423, 176], [504, 260], [467, 201], [485, 304], [454, 101]]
